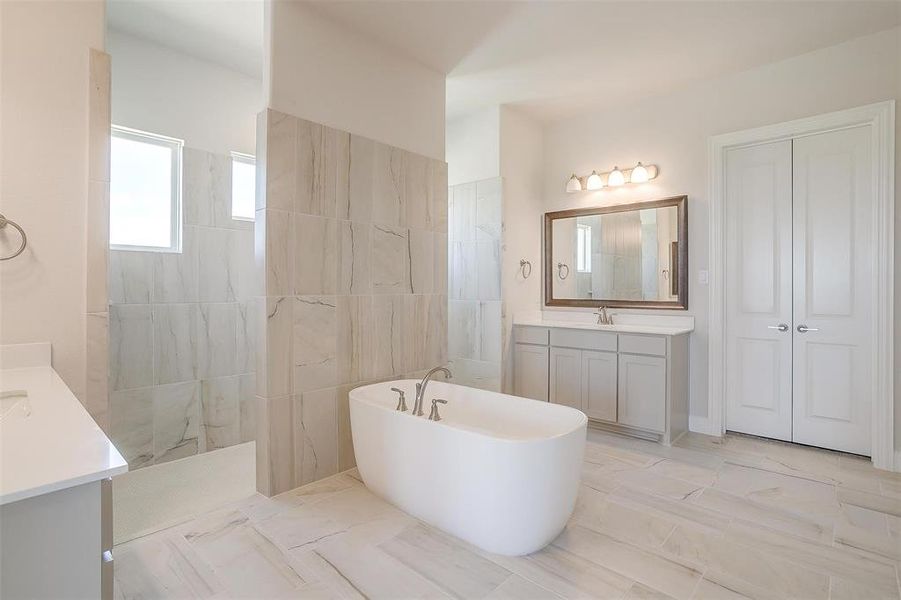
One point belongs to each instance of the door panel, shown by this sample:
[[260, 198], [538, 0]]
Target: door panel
[[642, 391], [599, 385], [530, 376], [758, 239], [833, 282], [566, 377]]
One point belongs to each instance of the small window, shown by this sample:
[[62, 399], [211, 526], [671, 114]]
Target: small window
[[244, 176], [145, 191], [583, 248]]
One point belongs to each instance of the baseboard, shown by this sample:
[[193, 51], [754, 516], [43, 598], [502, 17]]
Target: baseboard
[[896, 466], [699, 424]]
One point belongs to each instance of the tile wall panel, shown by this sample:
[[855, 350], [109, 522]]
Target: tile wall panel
[[182, 328], [355, 278], [475, 231]]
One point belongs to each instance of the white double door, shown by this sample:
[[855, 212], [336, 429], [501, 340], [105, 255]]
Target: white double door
[[799, 289]]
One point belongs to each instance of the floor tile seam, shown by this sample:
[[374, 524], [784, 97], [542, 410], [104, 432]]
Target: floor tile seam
[[763, 470], [787, 555]]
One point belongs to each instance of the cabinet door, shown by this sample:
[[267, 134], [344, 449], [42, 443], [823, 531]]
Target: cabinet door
[[566, 377], [642, 391], [599, 384], [530, 377]]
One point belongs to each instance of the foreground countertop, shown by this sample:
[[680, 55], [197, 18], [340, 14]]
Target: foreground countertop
[[629, 326], [52, 445]]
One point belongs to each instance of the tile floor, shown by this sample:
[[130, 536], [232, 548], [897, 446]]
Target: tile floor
[[708, 518]]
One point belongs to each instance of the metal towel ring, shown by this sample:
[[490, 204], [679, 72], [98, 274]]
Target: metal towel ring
[[560, 267], [523, 263], [3, 223]]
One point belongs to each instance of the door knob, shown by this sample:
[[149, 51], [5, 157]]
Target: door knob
[[781, 327], [805, 329]]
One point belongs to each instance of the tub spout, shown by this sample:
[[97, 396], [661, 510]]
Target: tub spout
[[421, 386]]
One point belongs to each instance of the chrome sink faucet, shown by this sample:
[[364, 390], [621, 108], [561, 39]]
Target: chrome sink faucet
[[603, 317], [420, 388]]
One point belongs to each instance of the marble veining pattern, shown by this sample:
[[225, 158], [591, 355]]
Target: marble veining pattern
[[333, 538], [354, 253], [315, 343], [475, 323], [176, 422], [183, 321]]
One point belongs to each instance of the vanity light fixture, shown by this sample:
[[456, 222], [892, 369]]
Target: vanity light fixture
[[616, 178], [640, 173]]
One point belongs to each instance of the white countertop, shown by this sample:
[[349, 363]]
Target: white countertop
[[57, 446], [650, 324]]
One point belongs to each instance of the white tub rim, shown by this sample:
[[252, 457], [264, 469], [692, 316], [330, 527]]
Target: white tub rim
[[582, 418]]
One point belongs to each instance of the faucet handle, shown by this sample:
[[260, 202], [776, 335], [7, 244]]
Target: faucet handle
[[434, 416], [401, 401]]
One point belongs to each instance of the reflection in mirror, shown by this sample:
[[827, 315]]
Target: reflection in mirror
[[617, 256]]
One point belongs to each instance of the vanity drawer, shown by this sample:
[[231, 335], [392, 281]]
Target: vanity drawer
[[585, 340], [654, 345], [525, 334]]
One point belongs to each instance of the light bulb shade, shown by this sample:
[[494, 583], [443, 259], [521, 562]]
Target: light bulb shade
[[594, 181], [639, 174], [616, 177], [573, 185]]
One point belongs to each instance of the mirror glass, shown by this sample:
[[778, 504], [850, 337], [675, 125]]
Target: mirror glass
[[616, 256]]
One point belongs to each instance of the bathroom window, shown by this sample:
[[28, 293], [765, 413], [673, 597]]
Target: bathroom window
[[145, 191], [243, 186], [583, 248]]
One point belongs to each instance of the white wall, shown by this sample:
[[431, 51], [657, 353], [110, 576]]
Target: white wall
[[322, 72], [44, 174], [672, 131], [473, 146], [164, 91], [521, 164]]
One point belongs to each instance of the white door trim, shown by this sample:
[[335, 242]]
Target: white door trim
[[881, 117]]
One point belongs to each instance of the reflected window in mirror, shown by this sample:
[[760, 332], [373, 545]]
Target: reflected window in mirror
[[633, 255], [583, 253]]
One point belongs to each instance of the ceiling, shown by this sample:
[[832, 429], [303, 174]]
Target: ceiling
[[226, 32], [551, 58]]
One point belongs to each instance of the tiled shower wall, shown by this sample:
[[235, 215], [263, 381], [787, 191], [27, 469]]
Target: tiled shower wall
[[97, 240], [475, 230], [181, 374], [352, 240]]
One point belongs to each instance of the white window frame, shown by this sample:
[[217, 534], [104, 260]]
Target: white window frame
[[249, 159], [177, 146], [583, 258]]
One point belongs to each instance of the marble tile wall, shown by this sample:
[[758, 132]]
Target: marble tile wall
[[181, 329], [96, 399], [351, 241], [474, 313]]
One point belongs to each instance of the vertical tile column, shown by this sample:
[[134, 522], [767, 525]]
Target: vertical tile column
[[475, 229], [97, 239], [351, 245]]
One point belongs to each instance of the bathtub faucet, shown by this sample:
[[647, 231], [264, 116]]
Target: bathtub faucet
[[420, 389]]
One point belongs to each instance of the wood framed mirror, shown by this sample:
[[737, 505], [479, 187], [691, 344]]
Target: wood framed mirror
[[625, 256]]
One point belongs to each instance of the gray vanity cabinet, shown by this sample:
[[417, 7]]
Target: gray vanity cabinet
[[530, 363], [599, 385], [642, 388], [634, 382], [566, 377]]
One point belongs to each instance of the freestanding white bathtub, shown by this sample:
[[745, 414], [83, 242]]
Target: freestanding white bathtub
[[498, 471]]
